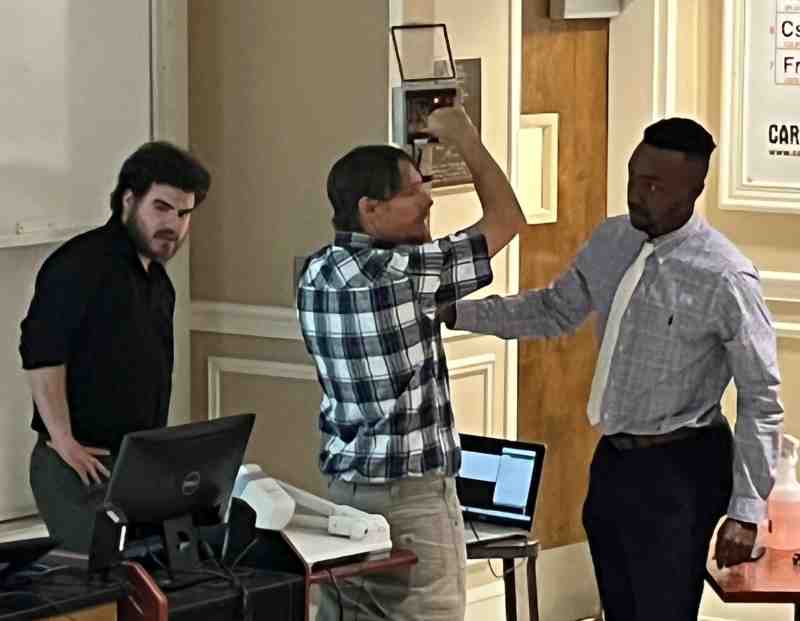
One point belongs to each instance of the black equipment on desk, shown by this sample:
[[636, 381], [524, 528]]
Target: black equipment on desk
[[108, 538], [177, 479]]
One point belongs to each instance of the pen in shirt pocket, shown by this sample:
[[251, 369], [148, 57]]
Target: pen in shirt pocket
[[669, 321]]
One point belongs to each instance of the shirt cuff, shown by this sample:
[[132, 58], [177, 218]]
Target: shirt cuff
[[747, 510], [466, 316]]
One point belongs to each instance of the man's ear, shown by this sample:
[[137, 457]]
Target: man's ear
[[128, 201], [367, 205], [367, 208]]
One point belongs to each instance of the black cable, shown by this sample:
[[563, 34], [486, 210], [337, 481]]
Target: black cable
[[338, 593], [502, 574], [489, 561], [244, 602], [244, 552]]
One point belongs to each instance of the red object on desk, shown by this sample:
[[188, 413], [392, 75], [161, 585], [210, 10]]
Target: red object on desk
[[397, 558], [773, 579], [145, 600]]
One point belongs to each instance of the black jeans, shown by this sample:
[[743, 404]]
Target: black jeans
[[649, 515], [65, 504]]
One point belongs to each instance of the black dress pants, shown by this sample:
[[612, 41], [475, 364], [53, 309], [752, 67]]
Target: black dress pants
[[65, 504], [649, 515]]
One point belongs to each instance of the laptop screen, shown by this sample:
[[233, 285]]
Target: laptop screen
[[499, 480]]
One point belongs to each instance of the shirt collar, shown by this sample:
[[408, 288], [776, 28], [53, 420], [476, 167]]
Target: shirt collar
[[354, 239], [124, 246], [664, 244]]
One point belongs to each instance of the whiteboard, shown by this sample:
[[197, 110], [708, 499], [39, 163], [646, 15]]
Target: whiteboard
[[75, 94], [74, 102]]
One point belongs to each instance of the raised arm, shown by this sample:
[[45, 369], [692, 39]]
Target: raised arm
[[502, 216]]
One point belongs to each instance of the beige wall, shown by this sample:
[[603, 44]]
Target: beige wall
[[769, 240], [277, 90]]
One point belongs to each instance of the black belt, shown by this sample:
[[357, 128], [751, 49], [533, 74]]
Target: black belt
[[628, 441]]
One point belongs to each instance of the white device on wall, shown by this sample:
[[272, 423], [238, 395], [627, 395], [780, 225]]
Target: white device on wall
[[276, 502], [584, 9], [428, 81]]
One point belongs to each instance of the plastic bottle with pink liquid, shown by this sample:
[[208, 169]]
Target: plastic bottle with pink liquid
[[783, 504]]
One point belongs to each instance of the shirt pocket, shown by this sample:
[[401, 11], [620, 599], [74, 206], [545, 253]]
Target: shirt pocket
[[684, 330]]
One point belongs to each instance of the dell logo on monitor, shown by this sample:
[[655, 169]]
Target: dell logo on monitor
[[191, 483]]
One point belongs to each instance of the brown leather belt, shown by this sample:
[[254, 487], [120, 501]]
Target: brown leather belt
[[628, 441]]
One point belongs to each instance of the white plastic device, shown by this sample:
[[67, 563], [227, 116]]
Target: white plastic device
[[275, 503]]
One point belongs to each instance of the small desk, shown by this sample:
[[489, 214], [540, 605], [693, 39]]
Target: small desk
[[509, 550], [770, 580]]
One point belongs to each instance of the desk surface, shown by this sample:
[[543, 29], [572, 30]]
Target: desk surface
[[512, 547], [397, 558], [272, 594], [61, 592], [771, 579]]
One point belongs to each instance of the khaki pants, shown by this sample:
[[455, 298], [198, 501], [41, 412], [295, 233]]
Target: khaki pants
[[424, 516]]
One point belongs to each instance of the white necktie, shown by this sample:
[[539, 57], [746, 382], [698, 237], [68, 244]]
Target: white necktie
[[621, 299]]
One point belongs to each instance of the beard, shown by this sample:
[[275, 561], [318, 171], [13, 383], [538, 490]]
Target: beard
[[160, 247]]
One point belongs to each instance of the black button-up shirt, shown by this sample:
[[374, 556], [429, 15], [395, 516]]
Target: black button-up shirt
[[99, 312]]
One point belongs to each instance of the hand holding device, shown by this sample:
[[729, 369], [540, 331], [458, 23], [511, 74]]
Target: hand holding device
[[451, 125]]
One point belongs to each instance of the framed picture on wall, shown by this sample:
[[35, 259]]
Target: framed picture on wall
[[449, 168], [760, 140]]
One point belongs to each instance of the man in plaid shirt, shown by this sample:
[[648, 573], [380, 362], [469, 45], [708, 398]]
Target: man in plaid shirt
[[367, 307]]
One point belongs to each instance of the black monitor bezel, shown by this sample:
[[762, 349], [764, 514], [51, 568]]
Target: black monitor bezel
[[486, 444]]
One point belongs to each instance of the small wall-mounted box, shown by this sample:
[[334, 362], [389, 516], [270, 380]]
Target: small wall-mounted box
[[584, 9]]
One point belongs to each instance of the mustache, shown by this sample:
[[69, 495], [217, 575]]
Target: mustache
[[166, 234]]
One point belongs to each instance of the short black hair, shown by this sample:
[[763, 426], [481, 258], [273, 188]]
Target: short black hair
[[684, 135], [372, 171], [160, 162]]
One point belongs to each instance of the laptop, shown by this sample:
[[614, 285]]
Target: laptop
[[498, 485]]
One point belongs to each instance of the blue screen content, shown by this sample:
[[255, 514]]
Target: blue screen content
[[497, 485]]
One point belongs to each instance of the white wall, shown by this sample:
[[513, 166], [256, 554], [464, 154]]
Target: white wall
[[18, 268]]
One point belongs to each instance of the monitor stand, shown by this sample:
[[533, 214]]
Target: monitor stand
[[180, 538]]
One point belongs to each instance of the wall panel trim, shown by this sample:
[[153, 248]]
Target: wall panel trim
[[217, 365], [783, 287], [484, 365], [270, 322]]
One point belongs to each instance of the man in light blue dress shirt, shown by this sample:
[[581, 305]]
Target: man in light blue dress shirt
[[667, 467]]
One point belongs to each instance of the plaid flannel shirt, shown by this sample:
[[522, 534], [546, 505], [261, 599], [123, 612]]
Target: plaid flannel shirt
[[367, 314]]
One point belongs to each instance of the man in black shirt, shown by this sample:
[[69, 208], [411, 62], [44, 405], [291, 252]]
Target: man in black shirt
[[97, 341]]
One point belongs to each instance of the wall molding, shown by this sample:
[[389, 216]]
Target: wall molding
[[279, 322], [267, 322], [275, 322], [783, 287], [738, 193], [483, 365], [217, 365]]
